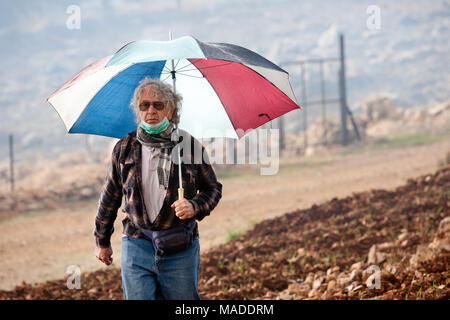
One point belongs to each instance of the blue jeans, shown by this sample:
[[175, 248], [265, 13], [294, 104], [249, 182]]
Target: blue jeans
[[148, 276]]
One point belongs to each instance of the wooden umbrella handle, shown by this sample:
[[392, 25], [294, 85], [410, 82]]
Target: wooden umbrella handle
[[180, 193]]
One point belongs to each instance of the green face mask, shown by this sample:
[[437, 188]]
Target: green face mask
[[155, 128]]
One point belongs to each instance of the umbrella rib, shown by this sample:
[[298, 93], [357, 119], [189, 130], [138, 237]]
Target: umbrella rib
[[188, 65], [188, 70], [165, 78], [168, 70], [219, 65], [189, 75], [191, 64], [175, 68]]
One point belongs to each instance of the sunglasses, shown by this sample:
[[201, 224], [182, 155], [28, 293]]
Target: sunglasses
[[158, 105]]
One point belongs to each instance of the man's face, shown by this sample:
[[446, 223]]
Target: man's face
[[151, 114]]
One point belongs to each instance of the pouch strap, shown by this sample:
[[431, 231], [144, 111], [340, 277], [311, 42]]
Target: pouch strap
[[190, 226]]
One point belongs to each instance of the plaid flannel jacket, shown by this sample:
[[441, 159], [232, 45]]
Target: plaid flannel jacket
[[124, 178]]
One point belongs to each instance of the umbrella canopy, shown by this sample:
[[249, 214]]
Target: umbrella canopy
[[224, 87]]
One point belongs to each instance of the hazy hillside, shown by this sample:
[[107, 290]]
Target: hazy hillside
[[405, 59]]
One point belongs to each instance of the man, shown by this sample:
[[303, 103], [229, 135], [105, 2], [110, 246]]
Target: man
[[158, 261]]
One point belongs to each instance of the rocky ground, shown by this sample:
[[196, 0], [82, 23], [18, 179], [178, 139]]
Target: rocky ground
[[371, 245]]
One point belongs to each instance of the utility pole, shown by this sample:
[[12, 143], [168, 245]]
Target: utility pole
[[342, 91], [11, 162], [281, 126], [342, 99]]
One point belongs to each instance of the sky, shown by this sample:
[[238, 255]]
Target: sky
[[403, 54]]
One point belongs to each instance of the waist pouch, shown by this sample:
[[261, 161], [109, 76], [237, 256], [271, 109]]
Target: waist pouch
[[173, 240]]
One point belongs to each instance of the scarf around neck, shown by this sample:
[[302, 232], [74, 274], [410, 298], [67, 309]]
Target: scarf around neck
[[166, 140]]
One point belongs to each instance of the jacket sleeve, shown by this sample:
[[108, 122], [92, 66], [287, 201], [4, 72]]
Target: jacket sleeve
[[209, 189], [109, 202]]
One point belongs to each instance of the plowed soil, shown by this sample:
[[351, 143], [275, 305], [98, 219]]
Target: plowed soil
[[323, 251]]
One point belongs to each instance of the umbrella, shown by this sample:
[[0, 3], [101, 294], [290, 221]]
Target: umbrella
[[227, 89]]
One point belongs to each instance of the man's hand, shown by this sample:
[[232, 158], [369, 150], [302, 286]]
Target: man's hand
[[183, 209], [104, 255]]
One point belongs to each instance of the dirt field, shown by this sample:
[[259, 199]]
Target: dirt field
[[40, 247]]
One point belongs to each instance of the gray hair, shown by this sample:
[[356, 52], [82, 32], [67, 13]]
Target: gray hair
[[164, 89]]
